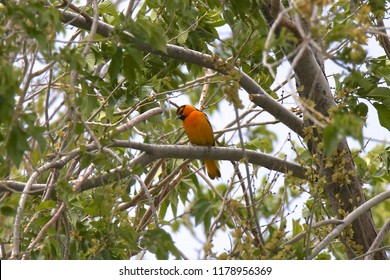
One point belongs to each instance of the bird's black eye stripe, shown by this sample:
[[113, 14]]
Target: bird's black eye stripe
[[180, 110]]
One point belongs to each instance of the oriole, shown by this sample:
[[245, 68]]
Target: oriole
[[199, 132]]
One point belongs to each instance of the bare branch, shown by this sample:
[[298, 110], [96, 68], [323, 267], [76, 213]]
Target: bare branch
[[200, 152], [18, 187], [153, 152], [150, 199], [316, 225], [144, 116], [378, 240]]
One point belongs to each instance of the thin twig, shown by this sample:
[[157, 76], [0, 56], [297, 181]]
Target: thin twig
[[130, 8], [19, 187], [316, 225], [150, 199], [162, 196], [208, 181], [88, 172], [133, 122]]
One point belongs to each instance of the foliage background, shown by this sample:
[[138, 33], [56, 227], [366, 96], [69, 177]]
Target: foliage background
[[76, 103]]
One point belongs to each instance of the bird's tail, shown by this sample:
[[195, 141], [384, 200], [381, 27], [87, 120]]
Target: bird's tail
[[212, 169]]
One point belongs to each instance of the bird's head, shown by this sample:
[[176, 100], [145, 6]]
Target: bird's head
[[184, 110]]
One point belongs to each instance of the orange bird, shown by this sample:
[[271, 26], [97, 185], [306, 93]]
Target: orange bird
[[199, 131]]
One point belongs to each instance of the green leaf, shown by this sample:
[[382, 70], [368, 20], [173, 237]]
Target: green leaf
[[163, 208], [158, 41], [357, 81], [116, 64], [45, 205], [9, 84], [386, 159], [132, 63], [383, 114], [37, 133], [90, 60], [361, 166], [379, 92], [108, 7], [129, 235], [323, 256], [144, 30], [261, 144], [332, 138], [159, 242], [17, 144], [91, 103], [342, 125], [338, 249], [297, 227], [229, 17], [380, 68], [203, 211], [41, 221], [8, 211], [361, 109], [182, 38], [377, 7]]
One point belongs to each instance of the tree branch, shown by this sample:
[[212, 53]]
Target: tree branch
[[378, 240], [314, 226], [18, 187], [217, 153], [140, 118]]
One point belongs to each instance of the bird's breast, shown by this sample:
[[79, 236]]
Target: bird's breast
[[198, 130]]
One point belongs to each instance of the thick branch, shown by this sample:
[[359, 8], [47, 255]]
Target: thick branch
[[378, 240], [217, 153], [153, 152], [15, 186]]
